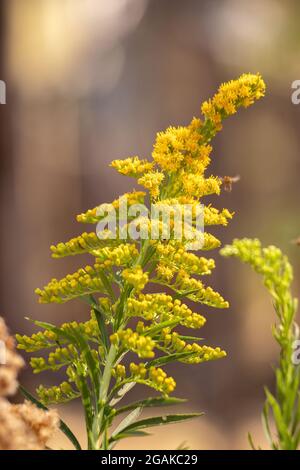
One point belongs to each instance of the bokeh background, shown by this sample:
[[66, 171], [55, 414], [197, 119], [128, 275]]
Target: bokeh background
[[92, 80]]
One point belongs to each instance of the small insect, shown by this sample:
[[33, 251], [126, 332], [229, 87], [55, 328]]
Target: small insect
[[297, 241], [228, 181]]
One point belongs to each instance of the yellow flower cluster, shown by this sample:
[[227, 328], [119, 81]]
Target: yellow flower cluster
[[148, 306], [170, 146], [40, 340], [85, 243], [119, 372], [154, 377], [57, 359], [210, 242], [161, 308], [196, 291], [127, 339], [57, 394], [174, 343], [196, 185], [132, 166], [152, 181], [48, 339], [158, 377], [213, 216], [164, 273], [82, 282], [91, 217], [199, 162], [232, 95], [138, 370], [122, 255], [135, 277], [179, 258], [179, 147]]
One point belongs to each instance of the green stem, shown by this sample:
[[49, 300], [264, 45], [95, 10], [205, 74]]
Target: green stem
[[99, 428], [104, 387]]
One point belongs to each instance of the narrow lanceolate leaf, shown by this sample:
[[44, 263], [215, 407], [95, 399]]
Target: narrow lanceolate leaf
[[151, 402], [250, 440], [100, 320], [157, 328], [265, 423], [157, 421], [127, 422], [280, 424], [190, 338], [62, 425], [90, 361], [121, 393], [160, 361], [106, 284], [124, 435]]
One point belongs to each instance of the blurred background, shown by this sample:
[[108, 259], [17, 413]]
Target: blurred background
[[89, 81]]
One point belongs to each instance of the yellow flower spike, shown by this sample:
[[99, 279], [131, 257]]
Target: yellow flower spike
[[85, 243], [176, 176], [162, 308], [213, 216], [57, 394], [91, 217], [127, 339], [199, 293], [168, 148], [121, 255], [198, 186], [210, 242], [136, 277], [132, 166], [152, 182], [174, 258], [232, 95], [164, 272]]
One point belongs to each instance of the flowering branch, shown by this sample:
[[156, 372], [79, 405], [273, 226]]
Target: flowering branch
[[93, 352]]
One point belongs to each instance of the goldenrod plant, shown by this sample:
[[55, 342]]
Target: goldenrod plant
[[131, 334], [281, 411]]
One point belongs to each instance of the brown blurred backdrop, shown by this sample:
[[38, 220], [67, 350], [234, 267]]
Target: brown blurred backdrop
[[92, 80]]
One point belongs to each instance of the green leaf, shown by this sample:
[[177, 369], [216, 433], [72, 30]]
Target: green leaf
[[181, 294], [106, 283], [160, 361], [250, 440], [62, 425], [100, 320], [90, 361], [133, 434], [158, 421], [279, 421], [190, 338], [127, 422], [122, 392], [265, 423], [183, 446], [157, 328], [125, 435], [151, 402]]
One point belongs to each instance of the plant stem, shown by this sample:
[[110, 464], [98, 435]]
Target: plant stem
[[104, 386]]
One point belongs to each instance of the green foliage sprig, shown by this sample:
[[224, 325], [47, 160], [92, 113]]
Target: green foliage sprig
[[283, 407]]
